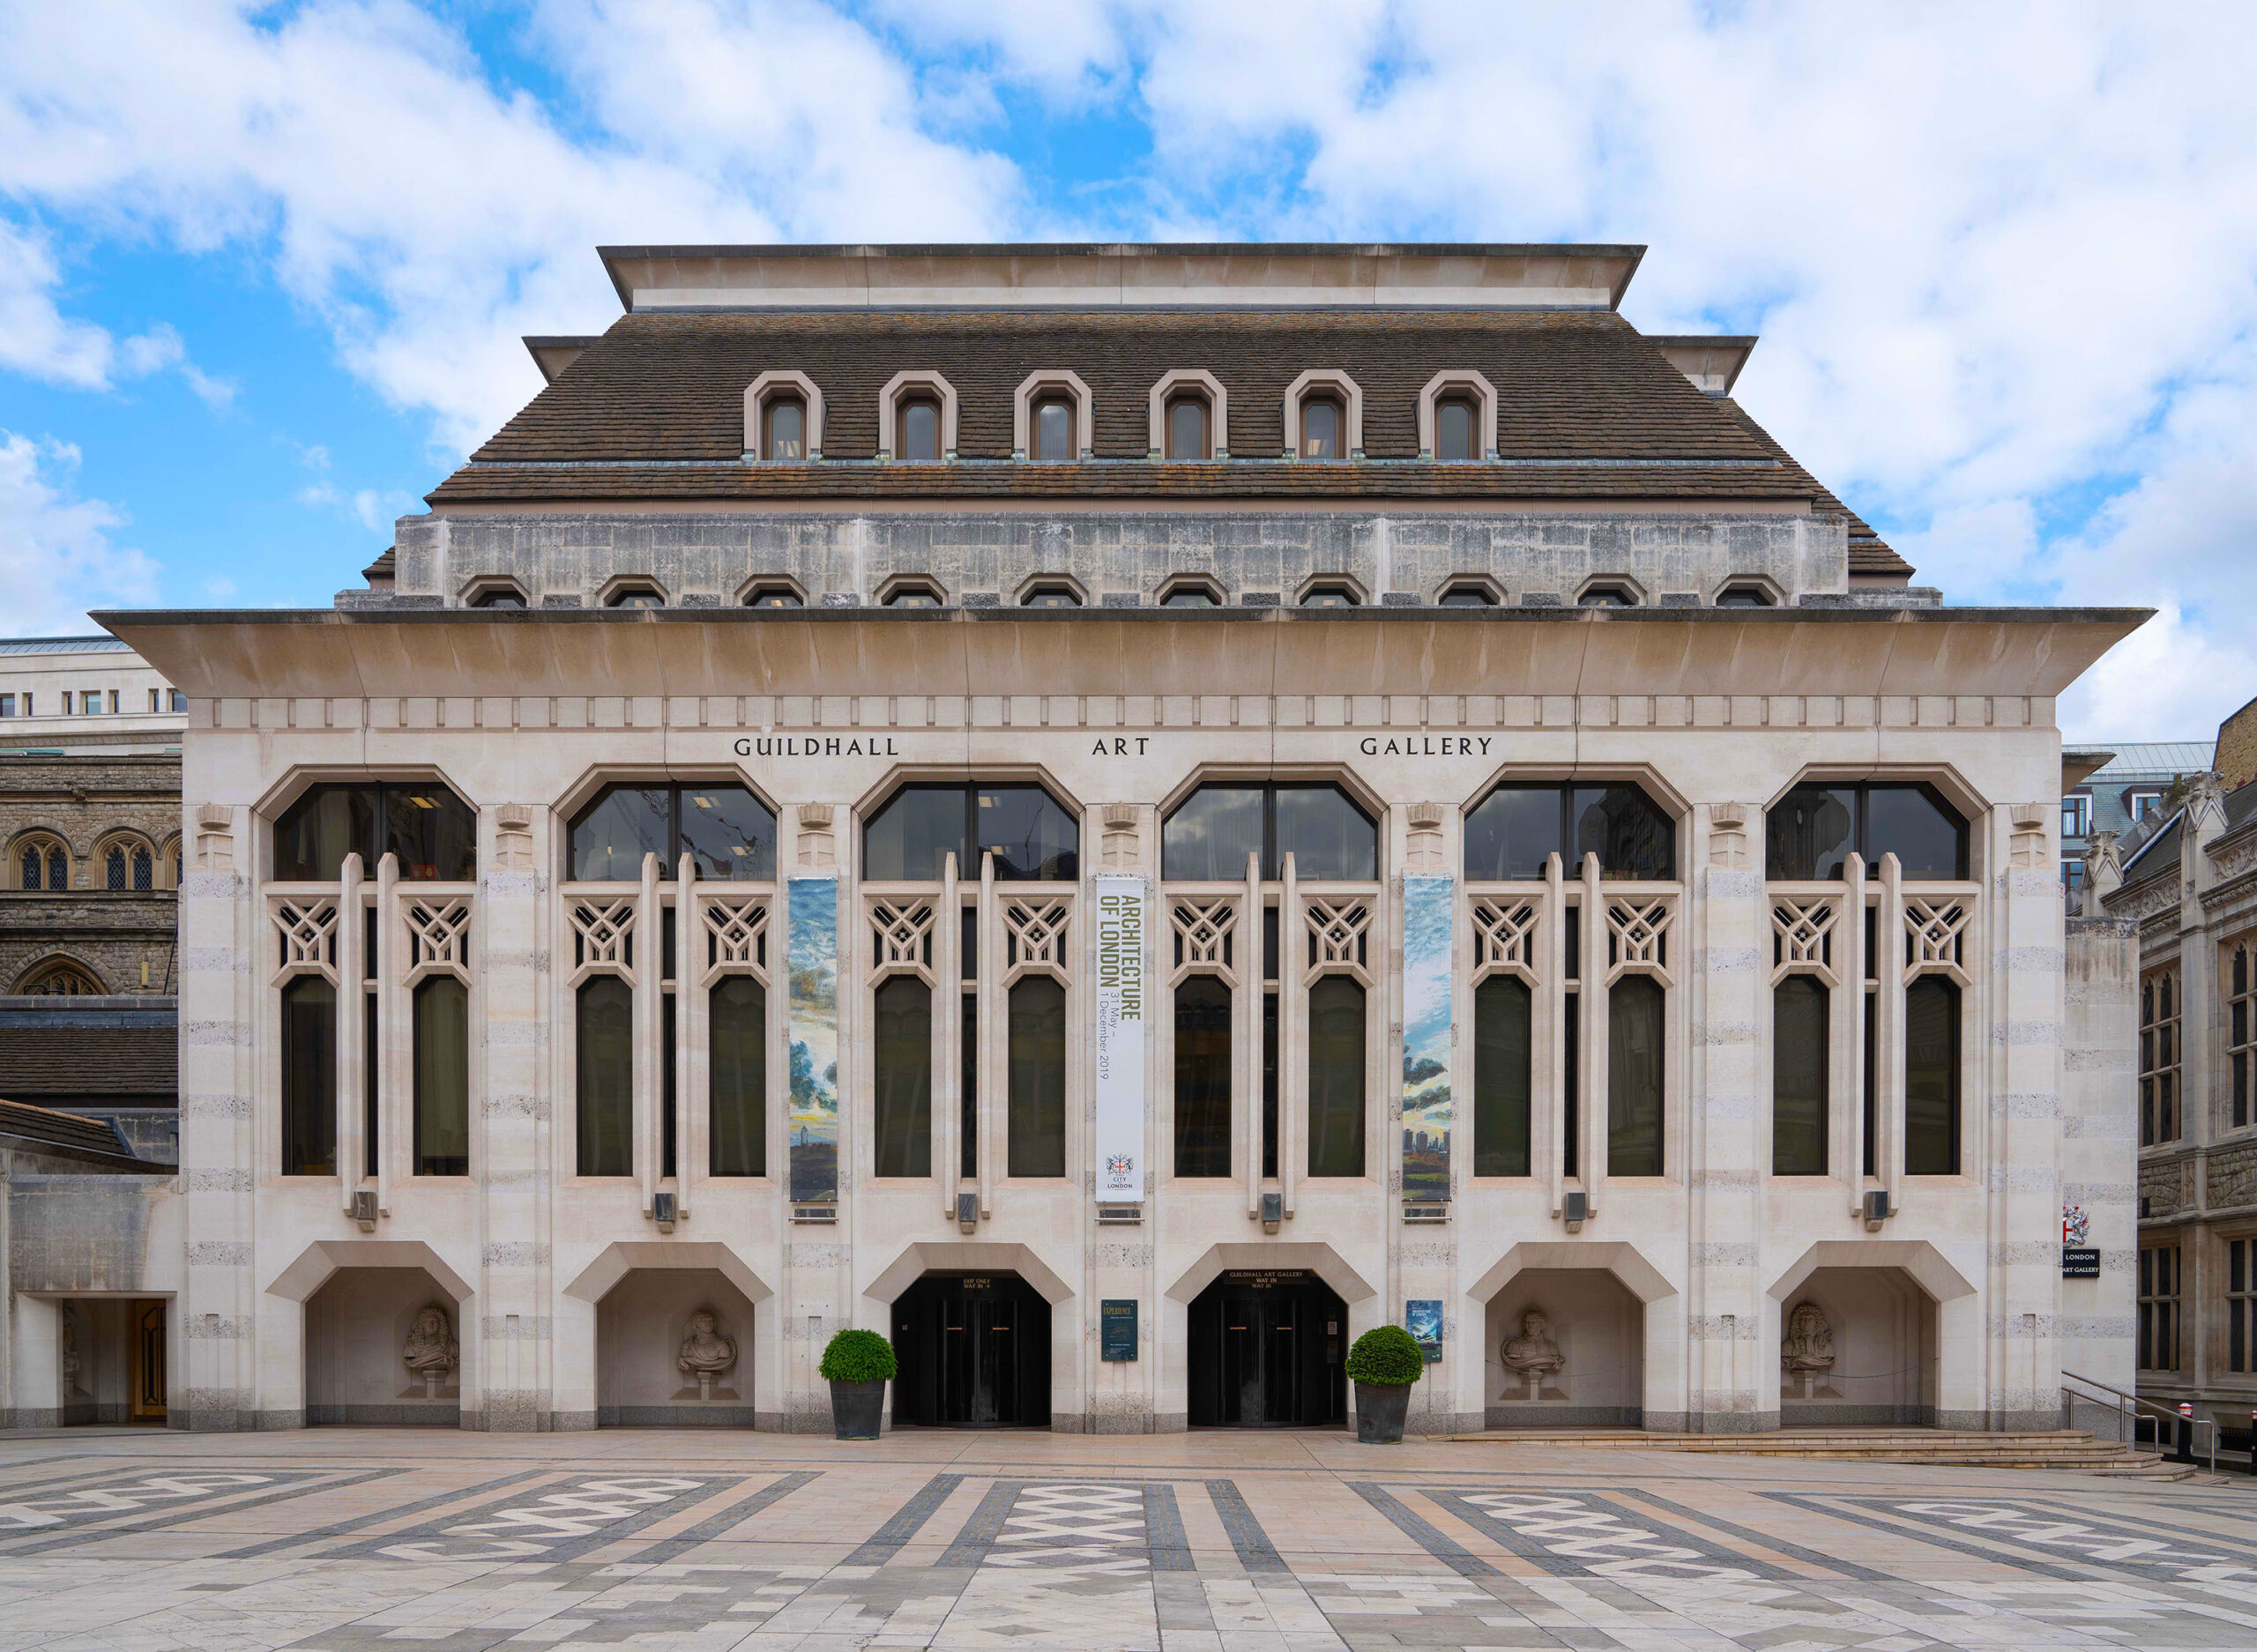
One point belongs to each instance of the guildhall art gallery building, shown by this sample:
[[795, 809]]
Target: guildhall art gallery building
[[1123, 815]]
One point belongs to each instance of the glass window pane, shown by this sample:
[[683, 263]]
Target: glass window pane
[[317, 831], [1211, 834], [309, 1078], [903, 1092], [1320, 430], [1931, 1077], [908, 839], [1454, 428], [433, 831], [144, 870], [1625, 829], [442, 1077], [1501, 1052], [1037, 1103], [737, 1115], [114, 869], [921, 431], [1203, 1078], [1335, 1077], [1328, 836], [1054, 431], [1633, 1077], [1810, 833], [1029, 835], [1912, 823], [1511, 831], [612, 835], [1187, 431], [605, 1041], [1799, 1057], [730, 832], [786, 430]]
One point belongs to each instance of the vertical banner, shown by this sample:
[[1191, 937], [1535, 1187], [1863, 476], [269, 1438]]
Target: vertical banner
[[1428, 907], [813, 1031], [1120, 1040]]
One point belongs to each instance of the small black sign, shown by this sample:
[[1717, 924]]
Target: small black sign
[[1117, 1327], [2080, 1261]]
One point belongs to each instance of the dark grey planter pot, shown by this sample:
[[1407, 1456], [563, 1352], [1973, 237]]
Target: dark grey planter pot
[[1380, 1407], [856, 1409]]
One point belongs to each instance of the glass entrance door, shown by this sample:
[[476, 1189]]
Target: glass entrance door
[[974, 1352], [1266, 1350]]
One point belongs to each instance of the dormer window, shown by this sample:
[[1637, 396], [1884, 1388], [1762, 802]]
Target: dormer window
[[1187, 430], [1324, 421], [1744, 595], [636, 596], [773, 597], [1457, 430], [1607, 596], [1323, 417], [1051, 597], [497, 599], [1053, 430], [1191, 592], [784, 437], [1329, 597], [917, 414], [920, 430], [913, 594], [1458, 419], [1469, 593]]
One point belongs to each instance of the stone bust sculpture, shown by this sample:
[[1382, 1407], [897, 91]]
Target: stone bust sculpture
[[705, 1353], [431, 1351], [1533, 1353], [1809, 1346]]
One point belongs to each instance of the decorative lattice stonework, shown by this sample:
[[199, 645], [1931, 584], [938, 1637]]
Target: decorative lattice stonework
[[603, 938], [1504, 939], [1637, 937], [901, 937], [736, 938], [438, 940], [1338, 935], [1934, 938], [307, 932], [1203, 936], [1802, 936], [1034, 937]]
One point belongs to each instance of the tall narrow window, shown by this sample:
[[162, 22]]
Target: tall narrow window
[[1501, 1061], [1053, 430], [1324, 424], [442, 1009], [144, 870], [1335, 1077], [1457, 431], [903, 1008], [786, 437], [1633, 1077], [1931, 1077], [968, 1117], [1202, 1076], [737, 1103], [2241, 1305], [920, 430], [309, 1078], [605, 1038], [114, 867], [1799, 1058], [2159, 1283], [2241, 1032], [2159, 1058], [1187, 430], [1037, 1122]]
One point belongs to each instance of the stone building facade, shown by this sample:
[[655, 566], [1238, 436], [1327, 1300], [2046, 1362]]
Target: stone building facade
[[1123, 815], [93, 869]]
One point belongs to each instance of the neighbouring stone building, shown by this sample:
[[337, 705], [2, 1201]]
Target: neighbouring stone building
[[2185, 875], [1123, 815]]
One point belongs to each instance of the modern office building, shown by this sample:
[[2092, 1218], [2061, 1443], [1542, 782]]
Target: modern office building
[[1123, 815]]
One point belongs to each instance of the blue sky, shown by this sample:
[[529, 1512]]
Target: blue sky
[[263, 268]]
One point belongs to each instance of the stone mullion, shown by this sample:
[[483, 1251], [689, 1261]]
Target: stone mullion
[[1732, 1387], [515, 1105]]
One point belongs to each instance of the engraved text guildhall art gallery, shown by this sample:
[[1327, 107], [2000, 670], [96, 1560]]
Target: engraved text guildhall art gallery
[[1122, 815]]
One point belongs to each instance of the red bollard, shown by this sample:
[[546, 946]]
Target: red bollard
[[2185, 1432]]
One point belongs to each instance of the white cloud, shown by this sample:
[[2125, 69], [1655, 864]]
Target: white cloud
[[56, 558], [39, 340]]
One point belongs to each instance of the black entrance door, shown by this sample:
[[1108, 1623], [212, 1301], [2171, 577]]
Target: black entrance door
[[1267, 1349], [974, 1352]]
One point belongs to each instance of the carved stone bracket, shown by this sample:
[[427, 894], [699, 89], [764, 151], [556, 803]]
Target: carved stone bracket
[[818, 843], [1728, 833], [215, 837], [1423, 853], [1123, 848], [513, 836], [2029, 845]]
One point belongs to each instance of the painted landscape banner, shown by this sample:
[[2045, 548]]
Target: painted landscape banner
[[813, 1031], [1428, 907], [1120, 1023]]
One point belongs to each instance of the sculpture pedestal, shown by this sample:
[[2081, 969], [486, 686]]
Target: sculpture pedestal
[[430, 1384], [1532, 1382], [705, 1385]]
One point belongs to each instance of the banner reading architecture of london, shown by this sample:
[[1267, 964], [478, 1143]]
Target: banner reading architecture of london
[[1121, 1039], [1428, 907], [813, 961]]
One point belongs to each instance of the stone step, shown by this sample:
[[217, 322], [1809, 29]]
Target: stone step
[[2013, 1448]]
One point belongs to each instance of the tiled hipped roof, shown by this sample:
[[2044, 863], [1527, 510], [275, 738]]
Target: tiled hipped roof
[[1587, 408], [67, 1133], [85, 1061]]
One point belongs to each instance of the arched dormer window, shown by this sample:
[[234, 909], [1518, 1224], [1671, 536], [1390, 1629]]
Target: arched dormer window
[[1189, 416], [1324, 417], [1458, 419], [783, 418], [916, 419], [1052, 419]]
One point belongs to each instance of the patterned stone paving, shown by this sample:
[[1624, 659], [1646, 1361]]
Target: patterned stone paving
[[339, 1540]]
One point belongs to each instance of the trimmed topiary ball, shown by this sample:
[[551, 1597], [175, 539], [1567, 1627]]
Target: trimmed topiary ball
[[1388, 1355], [857, 1356]]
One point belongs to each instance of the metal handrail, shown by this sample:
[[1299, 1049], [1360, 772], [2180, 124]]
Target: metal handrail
[[2161, 1413]]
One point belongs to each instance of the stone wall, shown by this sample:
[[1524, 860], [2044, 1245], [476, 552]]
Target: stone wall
[[122, 939]]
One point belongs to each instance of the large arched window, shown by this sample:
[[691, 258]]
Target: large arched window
[[1031, 834], [1810, 833], [42, 863], [1509, 833], [729, 833], [432, 831], [58, 977], [1208, 836]]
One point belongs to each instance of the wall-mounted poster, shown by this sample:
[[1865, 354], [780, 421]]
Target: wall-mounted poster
[[1121, 1039], [1422, 1317], [813, 960], [1427, 906]]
